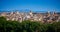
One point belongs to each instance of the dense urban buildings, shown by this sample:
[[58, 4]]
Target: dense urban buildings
[[42, 17]]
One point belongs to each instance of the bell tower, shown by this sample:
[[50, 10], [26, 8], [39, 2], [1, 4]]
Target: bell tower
[[31, 14]]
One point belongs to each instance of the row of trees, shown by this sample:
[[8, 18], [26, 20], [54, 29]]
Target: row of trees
[[27, 26]]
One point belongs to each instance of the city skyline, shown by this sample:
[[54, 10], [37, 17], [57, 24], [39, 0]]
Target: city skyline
[[34, 5]]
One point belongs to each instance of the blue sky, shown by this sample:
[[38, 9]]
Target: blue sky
[[34, 5]]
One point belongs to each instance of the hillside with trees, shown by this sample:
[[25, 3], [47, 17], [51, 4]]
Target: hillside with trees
[[28, 26]]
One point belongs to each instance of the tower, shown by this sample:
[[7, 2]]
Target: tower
[[54, 13], [48, 13], [17, 12], [31, 14]]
